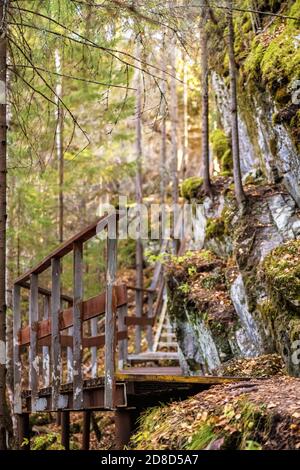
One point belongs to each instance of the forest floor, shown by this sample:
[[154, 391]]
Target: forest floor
[[263, 413]]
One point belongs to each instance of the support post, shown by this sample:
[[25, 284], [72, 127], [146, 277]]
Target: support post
[[23, 431], [33, 351], [125, 420], [94, 332], [55, 332], [150, 315], [46, 352], [77, 327], [17, 359], [123, 344], [65, 429], [110, 324], [86, 430]]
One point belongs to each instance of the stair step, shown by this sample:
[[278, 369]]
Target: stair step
[[168, 335], [153, 356], [166, 344]]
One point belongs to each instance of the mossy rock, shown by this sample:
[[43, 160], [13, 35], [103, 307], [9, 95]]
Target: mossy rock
[[191, 188], [281, 271], [227, 162], [219, 142], [215, 228], [222, 150]]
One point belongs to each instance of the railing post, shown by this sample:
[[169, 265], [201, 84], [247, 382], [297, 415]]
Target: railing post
[[46, 355], [55, 332], [150, 315], [70, 356], [123, 344], [77, 326], [110, 324], [33, 352], [94, 332], [17, 359]]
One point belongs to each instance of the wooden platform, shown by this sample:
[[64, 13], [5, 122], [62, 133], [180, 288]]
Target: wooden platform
[[135, 387]]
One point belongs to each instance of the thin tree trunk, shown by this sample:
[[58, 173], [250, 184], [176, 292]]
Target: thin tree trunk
[[3, 87], [174, 122], [139, 201], [163, 149], [239, 191], [205, 99], [185, 147], [59, 147]]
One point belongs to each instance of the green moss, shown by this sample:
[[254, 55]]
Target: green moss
[[281, 271], [191, 188], [276, 59], [227, 162], [219, 142], [215, 228]]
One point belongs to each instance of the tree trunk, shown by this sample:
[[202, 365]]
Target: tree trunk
[[163, 149], [174, 121], [59, 147], [239, 192], [139, 201], [185, 146], [3, 87], [205, 99]]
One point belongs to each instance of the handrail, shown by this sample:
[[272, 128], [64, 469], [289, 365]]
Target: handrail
[[65, 248]]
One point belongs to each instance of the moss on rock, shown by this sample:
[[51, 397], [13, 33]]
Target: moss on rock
[[191, 188], [215, 228], [281, 271]]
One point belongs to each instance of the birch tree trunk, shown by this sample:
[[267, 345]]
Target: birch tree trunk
[[3, 87], [238, 186], [205, 99], [139, 201], [59, 146]]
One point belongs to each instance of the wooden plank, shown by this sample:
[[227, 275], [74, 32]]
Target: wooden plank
[[77, 326], [33, 352], [16, 348], [155, 374], [45, 350], [123, 344], [141, 321], [55, 332], [91, 308], [110, 325], [63, 249], [98, 341]]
